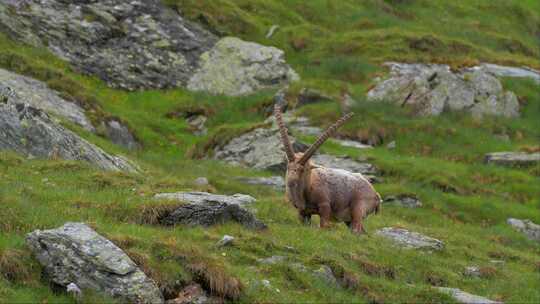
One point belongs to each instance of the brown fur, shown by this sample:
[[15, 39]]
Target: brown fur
[[333, 194]]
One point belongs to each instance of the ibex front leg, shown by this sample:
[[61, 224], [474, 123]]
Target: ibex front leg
[[325, 212], [357, 214]]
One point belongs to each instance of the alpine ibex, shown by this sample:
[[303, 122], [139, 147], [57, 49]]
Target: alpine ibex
[[333, 194]]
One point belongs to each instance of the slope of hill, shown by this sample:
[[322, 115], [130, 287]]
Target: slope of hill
[[335, 46]]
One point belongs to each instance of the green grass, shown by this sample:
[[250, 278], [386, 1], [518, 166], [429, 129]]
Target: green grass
[[334, 45]]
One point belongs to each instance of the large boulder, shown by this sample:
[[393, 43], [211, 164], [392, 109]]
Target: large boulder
[[527, 227], [40, 96], [75, 253], [431, 89], [235, 67], [262, 149], [128, 44], [409, 239], [31, 132], [206, 209], [512, 158]]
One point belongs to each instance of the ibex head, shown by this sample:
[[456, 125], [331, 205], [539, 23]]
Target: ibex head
[[298, 162]]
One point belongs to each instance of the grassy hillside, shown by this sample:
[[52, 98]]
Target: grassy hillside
[[334, 45]]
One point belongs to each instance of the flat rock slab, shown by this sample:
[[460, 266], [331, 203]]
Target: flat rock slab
[[512, 158], [530, 229], [75, 253], [410, 240], [241, 200], [431, 89], [508, 71], [205, 209], [465, 298], [31, 132], [40, 96]]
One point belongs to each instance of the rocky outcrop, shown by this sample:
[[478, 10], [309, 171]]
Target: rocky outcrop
[[404, 200], [40, 96], [235, 67], [31, 132], [144, 44], [262, 149], [463, 297], [76, 254], [432, 89], [512, 158], [530, 229], [128, 44], [410, 240], [206, 209]]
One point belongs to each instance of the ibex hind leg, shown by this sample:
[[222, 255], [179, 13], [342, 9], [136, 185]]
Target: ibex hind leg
[[357, 215]]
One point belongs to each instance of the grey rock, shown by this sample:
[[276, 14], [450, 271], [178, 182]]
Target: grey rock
[[227, 240], [530, 229], [262, 149], [391, 145], [276, 182], [76, 254], [275, 259], [196, 122], [120, 134], [463, 297], [404, 200], [347, 102], [432, 89], [410, 240], [235, 67], [205, 209], [507, 71], [74, 290], [128, 44], [345, 163], [31, 132], [326, 273], [241, 200], [512, 158], [40, 96], [472, 271], [266, 284]]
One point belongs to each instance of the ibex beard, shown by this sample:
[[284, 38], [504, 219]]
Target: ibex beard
[[333, 194]]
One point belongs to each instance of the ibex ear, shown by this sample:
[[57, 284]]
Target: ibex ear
[[318, 143], [284, 134]]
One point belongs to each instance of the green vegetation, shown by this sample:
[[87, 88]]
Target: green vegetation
[[334, 45]]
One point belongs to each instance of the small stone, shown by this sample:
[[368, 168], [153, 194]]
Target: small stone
[[391, 145], [310, 96], [266, 284], [227, 240], [472, 271], [201, 181], [404, 200], [74, 290]]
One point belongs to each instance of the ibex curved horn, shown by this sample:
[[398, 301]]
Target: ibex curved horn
[[284, 134], [309, 153]]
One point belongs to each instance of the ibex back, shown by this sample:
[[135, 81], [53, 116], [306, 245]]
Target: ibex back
[[333, 194]]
